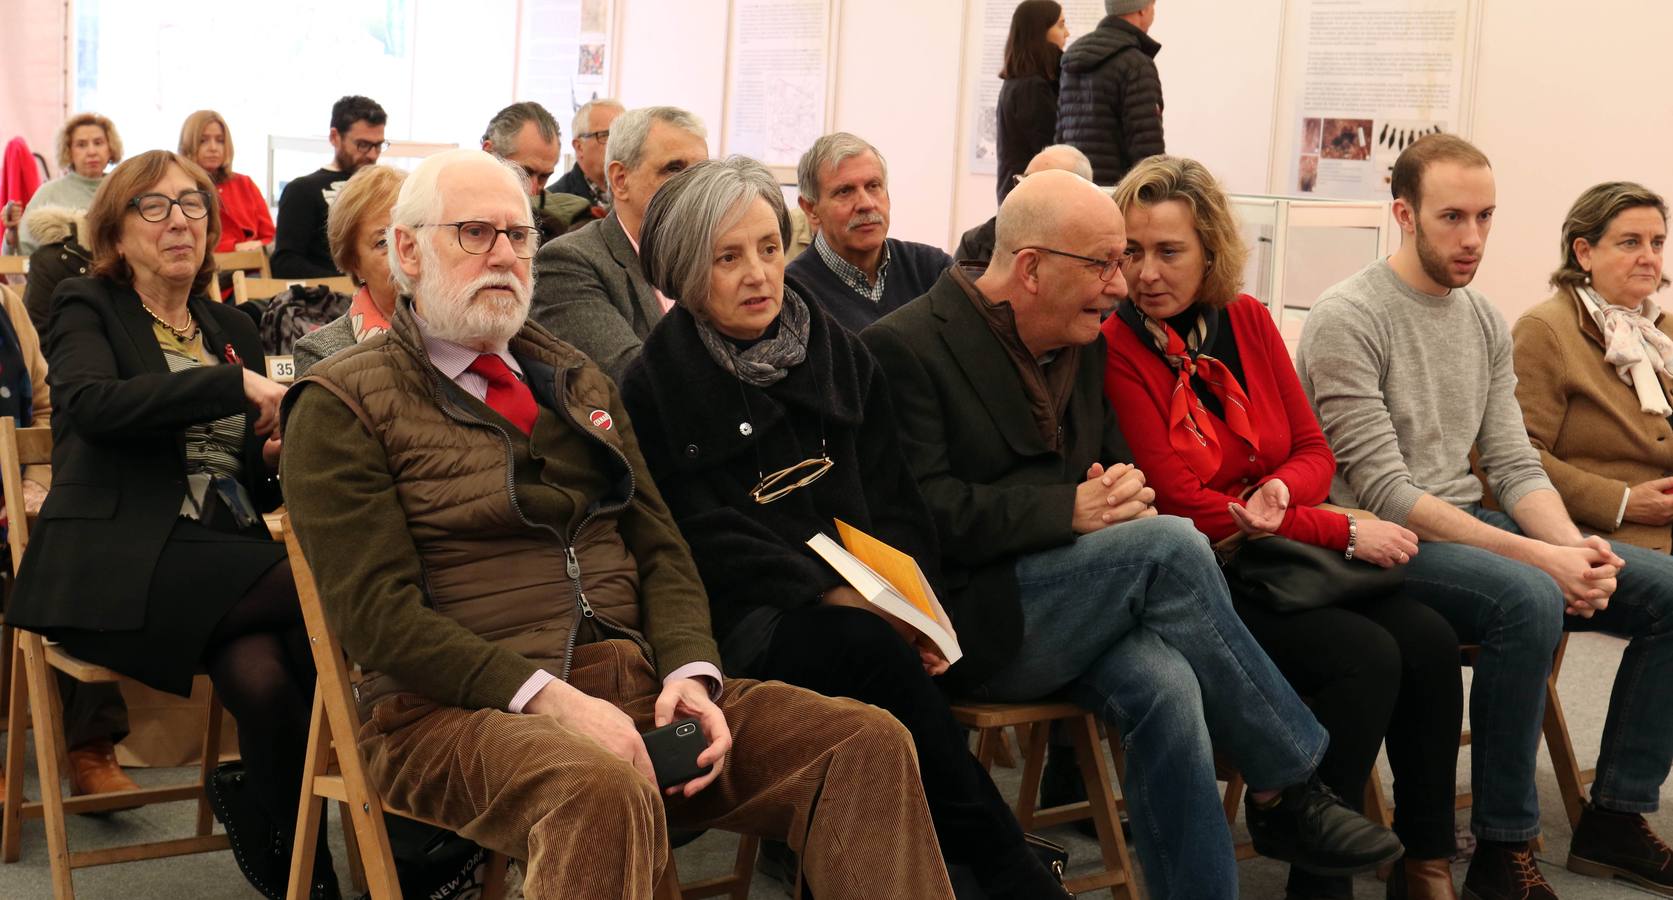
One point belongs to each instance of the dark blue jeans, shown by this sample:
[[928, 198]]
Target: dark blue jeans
[[1515, 612], [1135, 623]]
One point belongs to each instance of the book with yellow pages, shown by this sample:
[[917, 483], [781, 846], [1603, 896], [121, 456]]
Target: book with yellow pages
[[891, 581]]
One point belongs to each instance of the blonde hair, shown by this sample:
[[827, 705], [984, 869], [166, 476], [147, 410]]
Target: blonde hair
[[370, 190], [112, 139], [1159, 179], [191, 135]]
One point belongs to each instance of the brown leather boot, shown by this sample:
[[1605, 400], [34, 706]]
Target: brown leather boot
[[1505, 871], [93, 770], [1422, 879], [1621, 845]]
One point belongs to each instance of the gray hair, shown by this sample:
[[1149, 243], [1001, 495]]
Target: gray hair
[[629, 131], [584, 114], [1079, 164], [506, 124], [421, 201], [831, 150], [689, 213]]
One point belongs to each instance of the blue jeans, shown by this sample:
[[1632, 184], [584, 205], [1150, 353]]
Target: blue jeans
[[1515, 612], [1135, 623]]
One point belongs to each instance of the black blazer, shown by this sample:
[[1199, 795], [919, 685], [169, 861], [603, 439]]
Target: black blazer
[[119, 452], [689, 414], [995, 489]]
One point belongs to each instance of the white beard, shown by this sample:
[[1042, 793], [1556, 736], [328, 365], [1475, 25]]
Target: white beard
[[452, 310]]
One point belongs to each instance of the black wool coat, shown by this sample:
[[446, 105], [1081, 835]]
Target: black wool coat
[[690, 415]]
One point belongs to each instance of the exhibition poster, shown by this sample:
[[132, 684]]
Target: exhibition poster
[[563, 54], [1081, 16], [1360, 81], [777, 78]]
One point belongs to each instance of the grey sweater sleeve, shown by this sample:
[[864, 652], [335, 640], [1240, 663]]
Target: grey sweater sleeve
[[1507, 456], [1342, 357]]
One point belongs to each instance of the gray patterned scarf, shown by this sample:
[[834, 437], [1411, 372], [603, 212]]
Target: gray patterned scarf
[[768, 361]]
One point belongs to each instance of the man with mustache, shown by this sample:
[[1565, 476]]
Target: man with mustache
[[491, 551], [1409, 371], [1061, 578], [591, 291], [300, 248], [856, 272]]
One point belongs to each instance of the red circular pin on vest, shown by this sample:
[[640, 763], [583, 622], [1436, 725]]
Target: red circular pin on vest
[[601, 419]]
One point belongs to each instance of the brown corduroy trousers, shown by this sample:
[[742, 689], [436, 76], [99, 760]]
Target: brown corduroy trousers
[[835, 778]]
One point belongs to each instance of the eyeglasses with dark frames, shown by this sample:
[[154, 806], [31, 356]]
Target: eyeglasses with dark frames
[[369, 146], [477, 238], [1106, 267], [603, 137], [156, 207]]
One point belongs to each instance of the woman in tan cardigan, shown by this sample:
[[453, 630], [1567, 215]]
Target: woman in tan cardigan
[[1593, 367]]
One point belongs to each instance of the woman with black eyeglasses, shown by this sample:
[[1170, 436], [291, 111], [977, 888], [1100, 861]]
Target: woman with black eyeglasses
[[151, 557], [763, 422]]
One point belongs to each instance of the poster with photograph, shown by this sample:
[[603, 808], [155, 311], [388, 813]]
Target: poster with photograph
[[563, 54], [777, 84], [1360, 80], [1081, 16]]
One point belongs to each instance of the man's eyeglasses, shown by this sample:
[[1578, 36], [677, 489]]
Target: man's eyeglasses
[[369, 146], [156, 207], [782, 482], [603, 137], [1106, 267], [477, 238]]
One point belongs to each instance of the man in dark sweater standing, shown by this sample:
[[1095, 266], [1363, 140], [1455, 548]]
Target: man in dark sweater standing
[[857, 272], [1110, 96], [300, 249]]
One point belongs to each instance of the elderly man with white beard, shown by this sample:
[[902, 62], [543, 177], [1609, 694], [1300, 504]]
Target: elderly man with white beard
[[490, 550]]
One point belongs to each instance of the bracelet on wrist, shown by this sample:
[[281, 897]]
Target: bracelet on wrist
[[1353, 536]]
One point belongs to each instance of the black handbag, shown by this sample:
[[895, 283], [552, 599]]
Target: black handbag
[[1288, 576]]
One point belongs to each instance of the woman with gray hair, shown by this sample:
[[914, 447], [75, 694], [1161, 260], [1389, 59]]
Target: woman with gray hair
[[1594, 368], [763, 422]]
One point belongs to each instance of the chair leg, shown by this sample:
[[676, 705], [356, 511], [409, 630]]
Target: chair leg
[[1033, 769], [743, 867], [211, 758], [17, 716], [1100, 791], [351, 844], [311, 804], [1376, 805], [49, 741]]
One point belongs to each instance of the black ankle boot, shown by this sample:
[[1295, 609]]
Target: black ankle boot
[[1310, 827], [1621, 845]]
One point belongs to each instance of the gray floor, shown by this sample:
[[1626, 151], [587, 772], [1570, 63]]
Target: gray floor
[[1587, 677]]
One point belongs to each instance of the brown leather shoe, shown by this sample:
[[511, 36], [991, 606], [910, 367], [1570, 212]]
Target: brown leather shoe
[[1501, 871], [1621, 845], [1422, 879], [93, 770]]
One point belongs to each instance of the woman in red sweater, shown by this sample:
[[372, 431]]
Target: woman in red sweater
[[1210, 404], [206, 140]]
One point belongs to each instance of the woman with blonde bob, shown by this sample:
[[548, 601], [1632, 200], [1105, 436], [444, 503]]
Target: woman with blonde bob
[[245, 222], [358, 231], [87, 145], [1216, 417]]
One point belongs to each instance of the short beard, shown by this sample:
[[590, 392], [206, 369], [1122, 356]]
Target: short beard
[[1435, 266], [452, 311], [345, 163]]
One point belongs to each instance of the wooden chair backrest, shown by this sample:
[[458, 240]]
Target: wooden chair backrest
[[243, 260], [245, 288], [20, 447], [14, 265]]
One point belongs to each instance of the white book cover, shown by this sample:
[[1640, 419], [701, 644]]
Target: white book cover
[[929, 619]]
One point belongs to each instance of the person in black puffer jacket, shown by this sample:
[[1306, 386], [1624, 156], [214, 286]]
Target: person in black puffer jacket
[[1110, 95]]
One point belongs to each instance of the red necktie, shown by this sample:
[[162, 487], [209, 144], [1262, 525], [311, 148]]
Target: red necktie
[[508, 395]]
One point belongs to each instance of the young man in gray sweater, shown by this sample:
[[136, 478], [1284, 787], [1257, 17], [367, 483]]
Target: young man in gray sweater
[[1408, 370]]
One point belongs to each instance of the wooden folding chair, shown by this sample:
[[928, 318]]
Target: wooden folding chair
[[33, 665], [990, 721], [14, 265], [245, 288], [244, 261]]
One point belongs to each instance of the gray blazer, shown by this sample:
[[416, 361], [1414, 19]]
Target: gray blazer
[[338, 334], [591, 293]]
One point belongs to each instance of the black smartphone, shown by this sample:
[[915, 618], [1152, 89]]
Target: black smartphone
[[674, 749]]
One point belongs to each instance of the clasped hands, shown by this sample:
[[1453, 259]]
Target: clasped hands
[[613, 729], [1110, 496]]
